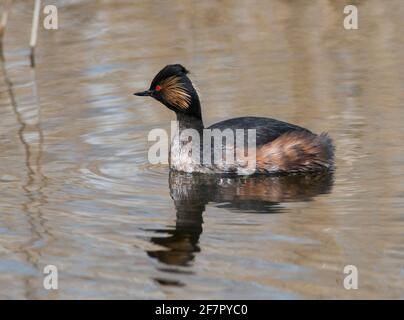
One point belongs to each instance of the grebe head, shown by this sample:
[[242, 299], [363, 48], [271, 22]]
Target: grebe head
[[172, 87]]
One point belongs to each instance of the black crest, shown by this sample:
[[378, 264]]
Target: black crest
[[167, 72]]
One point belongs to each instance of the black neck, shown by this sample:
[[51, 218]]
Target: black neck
[[186, 121], [191, 118]]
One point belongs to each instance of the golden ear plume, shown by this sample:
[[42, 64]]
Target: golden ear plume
[[175, 93]]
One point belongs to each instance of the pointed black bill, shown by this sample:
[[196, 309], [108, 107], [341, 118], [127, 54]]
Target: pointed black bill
[[144, 93]]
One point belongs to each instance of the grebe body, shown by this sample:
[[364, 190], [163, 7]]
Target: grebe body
[[279, 147]]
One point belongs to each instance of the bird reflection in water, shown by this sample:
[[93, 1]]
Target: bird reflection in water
[[256, 194]]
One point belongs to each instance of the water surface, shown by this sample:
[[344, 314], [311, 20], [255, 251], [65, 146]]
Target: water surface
[[77, 190]]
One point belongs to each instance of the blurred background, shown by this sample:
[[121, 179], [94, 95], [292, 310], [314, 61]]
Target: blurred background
[[77, 191]]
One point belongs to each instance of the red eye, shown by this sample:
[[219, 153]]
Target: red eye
[[158, 88]]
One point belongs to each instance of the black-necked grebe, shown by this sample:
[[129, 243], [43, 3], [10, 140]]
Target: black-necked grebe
[[280, 147]]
